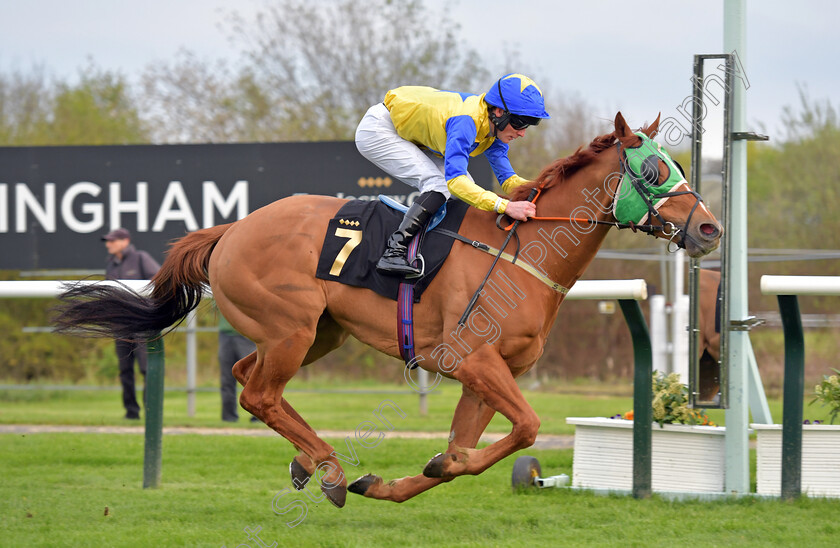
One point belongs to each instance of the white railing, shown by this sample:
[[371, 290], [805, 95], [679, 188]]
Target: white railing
[[609, 289], [787, 290], [582, 290], [53, 288], [800, 285]]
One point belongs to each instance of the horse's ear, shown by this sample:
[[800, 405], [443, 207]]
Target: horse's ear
[[621, 128], [653, 128]]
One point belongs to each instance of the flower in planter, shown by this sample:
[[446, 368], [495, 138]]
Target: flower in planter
[[828, 393], [670, 403]]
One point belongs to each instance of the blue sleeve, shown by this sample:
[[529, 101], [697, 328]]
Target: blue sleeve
[[497, 154], [460, 136]]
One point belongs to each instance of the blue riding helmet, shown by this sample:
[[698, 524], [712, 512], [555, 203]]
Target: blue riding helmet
[[521, 100]]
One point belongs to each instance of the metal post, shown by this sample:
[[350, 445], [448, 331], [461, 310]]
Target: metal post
[[423, 381], [192, 360], [735, 259], [726, 265], [642, 397], [679, 317], [696, 176], [659, 334], [154, 412], [698, 114], [793, 397], [759, 409]]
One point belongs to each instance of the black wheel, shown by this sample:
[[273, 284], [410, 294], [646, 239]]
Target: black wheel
[[525, 469]]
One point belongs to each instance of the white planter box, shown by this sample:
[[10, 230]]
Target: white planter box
[[685, 458], [820, 459]]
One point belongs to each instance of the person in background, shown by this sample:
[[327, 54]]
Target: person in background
[[232, 348], [127, 263]]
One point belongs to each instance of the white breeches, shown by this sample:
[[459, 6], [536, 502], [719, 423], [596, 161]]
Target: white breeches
[[378, 141]]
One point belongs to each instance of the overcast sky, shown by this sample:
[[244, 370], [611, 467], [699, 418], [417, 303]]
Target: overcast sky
[[630, 56]]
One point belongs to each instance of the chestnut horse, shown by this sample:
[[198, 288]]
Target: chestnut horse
[[262, 273]]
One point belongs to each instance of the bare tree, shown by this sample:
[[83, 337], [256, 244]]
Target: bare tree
[[812, 118], [191, 100], [310, 71], [323, 64]]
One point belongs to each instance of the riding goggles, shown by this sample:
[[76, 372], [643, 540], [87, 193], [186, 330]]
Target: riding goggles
[[520, 122]]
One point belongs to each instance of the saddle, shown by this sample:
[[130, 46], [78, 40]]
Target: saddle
[[356, 238]]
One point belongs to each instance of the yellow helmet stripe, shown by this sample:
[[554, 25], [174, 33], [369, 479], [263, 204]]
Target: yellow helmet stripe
[[524, 82]]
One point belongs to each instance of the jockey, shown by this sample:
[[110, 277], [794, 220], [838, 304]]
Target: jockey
[[424, 137]]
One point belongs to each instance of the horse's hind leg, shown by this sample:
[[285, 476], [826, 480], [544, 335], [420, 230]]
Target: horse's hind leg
[[471, 418], [329, 336], [263, 397], [242, 369], [302, 467]]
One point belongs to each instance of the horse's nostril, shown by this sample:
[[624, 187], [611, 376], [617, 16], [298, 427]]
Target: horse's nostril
[[710, 230]]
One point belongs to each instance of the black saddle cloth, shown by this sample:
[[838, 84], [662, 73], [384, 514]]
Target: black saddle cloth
[[373, 221]]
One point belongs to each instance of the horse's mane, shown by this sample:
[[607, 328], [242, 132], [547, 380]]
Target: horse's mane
[[565, 167]]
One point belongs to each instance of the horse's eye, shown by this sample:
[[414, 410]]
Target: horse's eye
[[650, 170]]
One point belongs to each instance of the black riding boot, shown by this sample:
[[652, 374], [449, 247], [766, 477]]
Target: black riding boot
[[394, 260]]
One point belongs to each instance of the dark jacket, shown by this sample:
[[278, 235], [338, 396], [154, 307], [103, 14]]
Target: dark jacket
[[135, 265]]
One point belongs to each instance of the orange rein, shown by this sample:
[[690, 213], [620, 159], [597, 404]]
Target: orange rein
[[539, 190]]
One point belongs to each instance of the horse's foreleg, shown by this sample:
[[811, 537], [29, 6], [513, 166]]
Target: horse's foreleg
[[488, 376], [471, 418], [398, 490]]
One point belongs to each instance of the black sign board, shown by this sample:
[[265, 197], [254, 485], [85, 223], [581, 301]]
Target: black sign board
[[57, 202]]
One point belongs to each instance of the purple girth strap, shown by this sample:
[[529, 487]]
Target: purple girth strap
[[405, 313]]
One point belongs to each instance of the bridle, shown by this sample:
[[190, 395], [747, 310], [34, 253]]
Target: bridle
[[640, 185]]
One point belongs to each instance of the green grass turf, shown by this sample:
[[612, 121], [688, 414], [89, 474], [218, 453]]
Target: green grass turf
[[326, 409], [55, 489], [323, 408]]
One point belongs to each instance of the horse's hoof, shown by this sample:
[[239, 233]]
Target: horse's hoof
[[361, 485], [300, 476], [336, 494], [434, 468]]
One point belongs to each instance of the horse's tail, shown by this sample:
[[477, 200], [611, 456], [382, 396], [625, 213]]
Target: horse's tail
[[108, 310]]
